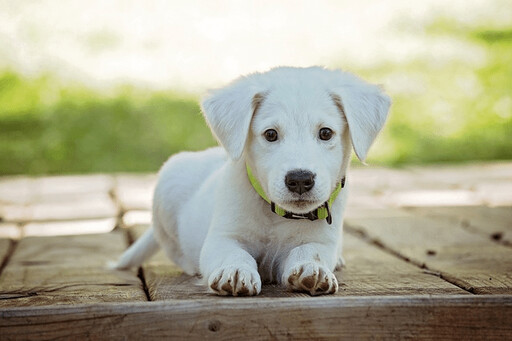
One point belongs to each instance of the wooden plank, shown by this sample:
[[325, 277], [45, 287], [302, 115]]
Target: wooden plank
[[87, 206], [493, 222], [10, 230], [136, 217], [433, 197], [497, 193], [466, 176], [57, 228], [164, 279], [67, 270], [24, 190], [309, 318], [468, 260], [135, 192], [16, 189], [4, 250], [369, 271], [65, 187]]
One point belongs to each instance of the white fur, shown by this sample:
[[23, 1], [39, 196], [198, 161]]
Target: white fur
[[209, 219]]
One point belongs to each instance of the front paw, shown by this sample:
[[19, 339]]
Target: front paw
[[235, 281], [312, 278]]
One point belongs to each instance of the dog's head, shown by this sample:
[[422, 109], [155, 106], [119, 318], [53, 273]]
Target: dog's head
[[295, 128]]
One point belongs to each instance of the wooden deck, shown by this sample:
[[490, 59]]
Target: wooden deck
[[428, 251]]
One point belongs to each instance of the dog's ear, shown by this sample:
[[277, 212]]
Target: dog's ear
[[229, 112], [365, 107]]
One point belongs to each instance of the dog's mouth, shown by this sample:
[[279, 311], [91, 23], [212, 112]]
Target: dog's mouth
[[301, 206]]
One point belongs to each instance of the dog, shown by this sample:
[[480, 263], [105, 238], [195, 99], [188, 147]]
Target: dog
[[267, 205]]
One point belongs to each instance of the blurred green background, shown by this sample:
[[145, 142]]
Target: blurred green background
[[450, 111]]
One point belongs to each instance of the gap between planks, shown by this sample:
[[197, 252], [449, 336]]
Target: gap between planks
[[494, 223], [43, 271], [465, 258], [130, 239], [10, 251], [369, 272], [361, 234]]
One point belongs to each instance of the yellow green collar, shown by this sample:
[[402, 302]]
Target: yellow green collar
[[322, 212]]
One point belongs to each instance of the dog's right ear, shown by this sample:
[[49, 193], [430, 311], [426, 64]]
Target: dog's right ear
[[229, 112]]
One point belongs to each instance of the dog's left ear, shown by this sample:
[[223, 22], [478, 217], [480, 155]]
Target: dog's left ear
[[229, 112], [365, 107]]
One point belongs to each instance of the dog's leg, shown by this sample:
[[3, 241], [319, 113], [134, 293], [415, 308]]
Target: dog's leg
[[229, 269], [307, 269], [340, 264], [145, 247]]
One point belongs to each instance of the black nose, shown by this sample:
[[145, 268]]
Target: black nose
[[299, 181]]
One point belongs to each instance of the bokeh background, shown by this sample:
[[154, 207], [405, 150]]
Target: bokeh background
[[108, 86]]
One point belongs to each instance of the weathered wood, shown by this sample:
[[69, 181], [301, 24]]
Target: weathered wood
[[468, 260], [369, 271], [487, 183], [466, 176], [87, 206], [164, 279], [135, 192], [16, 189], [56, 228], [433, 197], [4, 249], [67, 270], [70, 187], [311, 318], [10, 230], [496, 193], [136, 217], [24, 190], [384, 291], [492, 222]]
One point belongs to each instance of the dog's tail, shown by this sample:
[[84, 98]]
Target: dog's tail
[[145, 247]]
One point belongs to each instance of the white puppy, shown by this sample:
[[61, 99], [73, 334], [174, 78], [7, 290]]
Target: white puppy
[[268, 206]]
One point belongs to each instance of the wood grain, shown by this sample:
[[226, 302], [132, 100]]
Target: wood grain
[[10, 230], [135, 192], [4, 249], [493, 222], [340, 318], [67, 270], [87, 206], [369, 271], [55, 228], [469, 260]]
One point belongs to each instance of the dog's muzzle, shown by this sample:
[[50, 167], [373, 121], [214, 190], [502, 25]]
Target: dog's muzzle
[[322, 212]]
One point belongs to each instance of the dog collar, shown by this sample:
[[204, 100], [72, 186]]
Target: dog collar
[[322, 212]]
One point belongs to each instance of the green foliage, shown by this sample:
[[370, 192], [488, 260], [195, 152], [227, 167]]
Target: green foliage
[[445, 111], [47, 128], [451, 111]]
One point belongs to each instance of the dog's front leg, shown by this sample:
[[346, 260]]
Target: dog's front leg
[[308, 268], [229, 269]]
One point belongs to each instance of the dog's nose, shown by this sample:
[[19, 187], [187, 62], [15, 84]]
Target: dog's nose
[[299, 181]]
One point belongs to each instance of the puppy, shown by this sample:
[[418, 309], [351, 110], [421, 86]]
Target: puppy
[[268, 205]]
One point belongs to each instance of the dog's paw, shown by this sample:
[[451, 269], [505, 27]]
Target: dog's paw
[[235, 281], [312, 278]]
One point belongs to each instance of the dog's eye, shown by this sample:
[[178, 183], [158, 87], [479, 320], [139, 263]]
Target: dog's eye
[[270, 135], [325, 134]]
